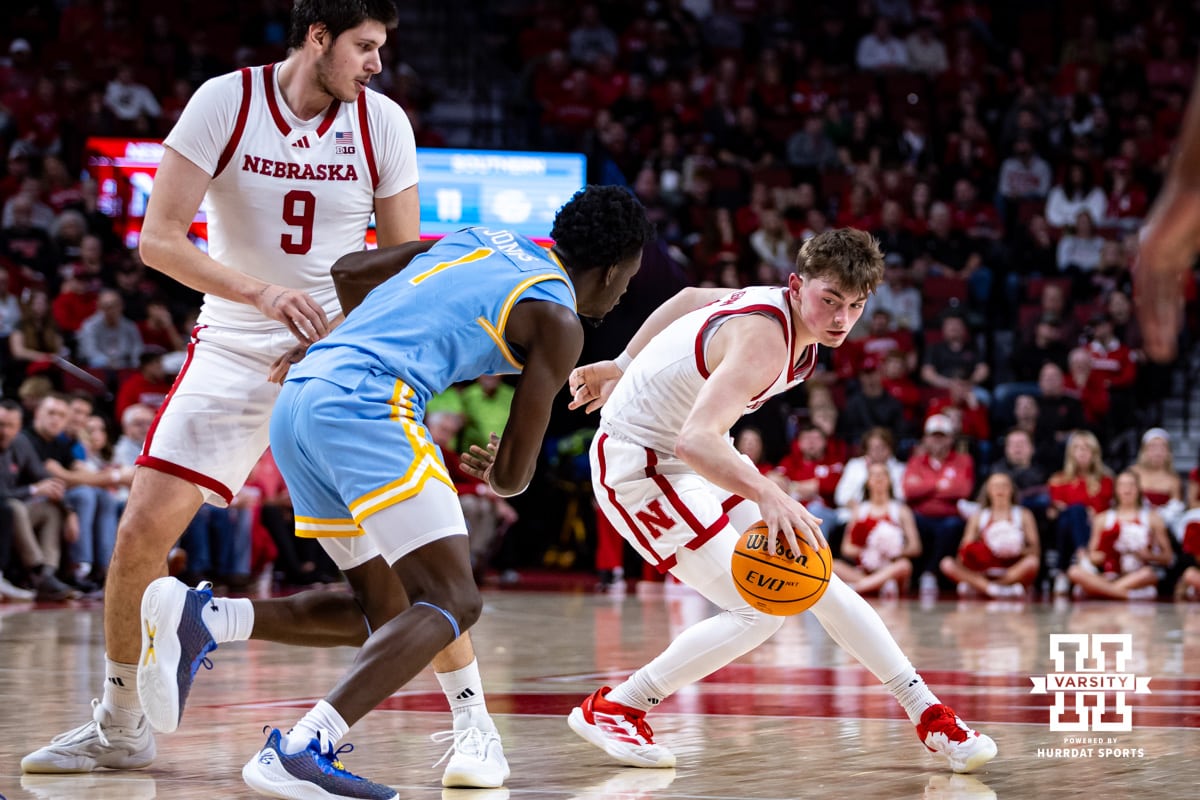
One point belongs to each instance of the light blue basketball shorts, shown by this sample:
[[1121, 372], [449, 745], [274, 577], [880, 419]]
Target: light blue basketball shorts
[[349, 454]]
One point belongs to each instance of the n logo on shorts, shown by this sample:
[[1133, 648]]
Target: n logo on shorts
[[656, 520]]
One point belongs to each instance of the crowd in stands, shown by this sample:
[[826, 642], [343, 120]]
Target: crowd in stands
[[995, 377]]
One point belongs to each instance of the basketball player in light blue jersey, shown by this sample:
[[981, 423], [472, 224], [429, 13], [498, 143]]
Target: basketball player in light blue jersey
[[364, 474]]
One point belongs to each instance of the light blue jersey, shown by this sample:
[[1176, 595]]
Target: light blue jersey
[[441, 320], [348, 428]]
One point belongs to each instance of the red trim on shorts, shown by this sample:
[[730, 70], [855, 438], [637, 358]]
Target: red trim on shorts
[[239, 127], [272, 104], [189, 475], [732, 502], [662, 565], [702, 534], [187, 362], [364, 128]]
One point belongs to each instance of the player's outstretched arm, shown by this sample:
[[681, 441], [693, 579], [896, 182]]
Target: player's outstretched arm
[[356, 274], [591, 384], [744, 358], [1169, 243], [551, 337]]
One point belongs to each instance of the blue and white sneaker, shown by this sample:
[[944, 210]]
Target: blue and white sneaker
[[315, 773], [175, 642]]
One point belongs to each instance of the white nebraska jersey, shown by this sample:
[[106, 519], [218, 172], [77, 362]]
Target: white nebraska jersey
[[288, 196], [655, 395]]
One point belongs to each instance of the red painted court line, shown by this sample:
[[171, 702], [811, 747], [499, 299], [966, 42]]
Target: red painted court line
[[768, 675], [1152, 711]]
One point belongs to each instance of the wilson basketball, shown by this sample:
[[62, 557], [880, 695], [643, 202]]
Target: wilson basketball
[[779, 583]]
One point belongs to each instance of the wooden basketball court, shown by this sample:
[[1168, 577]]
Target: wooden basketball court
[[794, 719]]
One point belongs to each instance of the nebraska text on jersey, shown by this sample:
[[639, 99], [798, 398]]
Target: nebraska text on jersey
[[299, 172]]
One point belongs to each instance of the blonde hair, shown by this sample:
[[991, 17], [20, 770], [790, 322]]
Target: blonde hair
[[850, 259], [1096, 471], [1141, 456]]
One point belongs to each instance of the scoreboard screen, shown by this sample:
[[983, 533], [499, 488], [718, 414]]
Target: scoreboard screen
[[501, 189], [517, 190]]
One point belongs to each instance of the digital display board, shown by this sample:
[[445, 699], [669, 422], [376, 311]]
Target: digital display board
[[520, 191], [503, 189]]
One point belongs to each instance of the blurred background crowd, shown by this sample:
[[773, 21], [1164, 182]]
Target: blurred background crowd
[[991, 428]]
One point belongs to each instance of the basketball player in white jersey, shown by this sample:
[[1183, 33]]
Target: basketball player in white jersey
[[666, 475], [291, 160]]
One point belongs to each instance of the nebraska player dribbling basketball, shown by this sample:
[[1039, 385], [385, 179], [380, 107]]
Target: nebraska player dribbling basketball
[[667, 477]]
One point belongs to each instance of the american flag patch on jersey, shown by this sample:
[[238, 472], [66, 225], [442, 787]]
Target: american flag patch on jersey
[[343, 137]]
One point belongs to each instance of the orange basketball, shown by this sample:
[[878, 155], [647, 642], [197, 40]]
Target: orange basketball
[[779, 583]]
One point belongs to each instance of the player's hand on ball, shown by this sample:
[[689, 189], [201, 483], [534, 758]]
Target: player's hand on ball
[[784, 515], [295, 309], [279, 368], [591, 384], [477, 462]]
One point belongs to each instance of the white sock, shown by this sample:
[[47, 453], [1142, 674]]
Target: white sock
[[229, 619], [910, 691], [322, 723], [638, 691], [464, 691], [120, 694]]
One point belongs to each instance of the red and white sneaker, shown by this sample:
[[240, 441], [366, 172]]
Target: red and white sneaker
[[618, 730], [949, 738]]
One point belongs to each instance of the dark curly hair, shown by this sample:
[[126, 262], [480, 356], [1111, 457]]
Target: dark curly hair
[[601, 226], [338, 16]]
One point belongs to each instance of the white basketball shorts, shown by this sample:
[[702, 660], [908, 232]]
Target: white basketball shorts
[[213, 426], [662, 507]]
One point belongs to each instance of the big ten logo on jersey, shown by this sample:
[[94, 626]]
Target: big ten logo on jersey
[[343, 143], [656, 519]]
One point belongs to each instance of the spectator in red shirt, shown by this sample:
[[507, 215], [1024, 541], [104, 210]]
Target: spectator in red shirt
[[813, 475], [898, 382], [1082, 489], [1127, 200], [976, 219], [883, 338], [75, 303], [158, 328], [1115, 363], [1086, 385], [1110, 356], [935, 480], [149, 385]]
